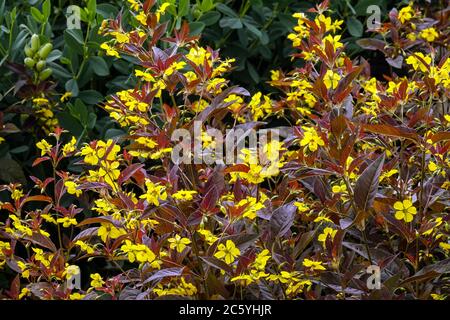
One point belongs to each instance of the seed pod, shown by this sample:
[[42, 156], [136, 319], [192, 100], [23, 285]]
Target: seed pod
[[35, 43], [40, 65], [28, 52], [45, 50], [29, 62], [45, 74]]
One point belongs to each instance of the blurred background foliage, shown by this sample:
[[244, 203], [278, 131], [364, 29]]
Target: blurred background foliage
[[252, 31]]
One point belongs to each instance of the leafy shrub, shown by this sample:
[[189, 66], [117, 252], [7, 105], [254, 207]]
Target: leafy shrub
[[360, 177]]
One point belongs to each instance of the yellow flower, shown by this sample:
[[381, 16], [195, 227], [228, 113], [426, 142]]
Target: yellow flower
[[40, 256], [216, 85], [328, 23], [65, 96], [110, 172], [417, 63], [173, 67], [436, 296], [199, 106], [110, 51], [44, 146], [209, 237], [326, 233], [40, 101], [97, 281], [445, 246], [178, 243], [71, 270], [85, 247], [24, 292], [69, 147], [260, 106], [134, 5], [67, 222], [144, 75], [331, 79], [184, 195], [76, 296], [161, 10], [406, 14], [120, 37], [275, 75], [388, 174], [198, 55], [429, 34], [142, 18], [334, 41], [17, 194], [313, 265], [72, 188], [25, 270], [148, 142], [138, 252], [155, 193], [404, 210], [339, 189], [322, 218], [228, 252], [447, 117], [432, 166], [235, 102], [2, 140], [90, 156], [107, 230], [311, 139]]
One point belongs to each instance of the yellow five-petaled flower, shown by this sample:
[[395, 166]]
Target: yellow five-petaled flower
[[405, 210], [178, 243], [227, 252]]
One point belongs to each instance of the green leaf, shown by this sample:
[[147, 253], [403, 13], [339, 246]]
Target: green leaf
[[210, 18], [90, 97], [11, 171], [59, 71], [72, 86], [226, 10], [233, 23], [206, 5], [113, 133], [362, 5], [107, 10], [79, 111], [355, 27], [68, 122], [251, 27], [46, 9], [92, 9], [253, 73], [92, 120], [98, 64], [196, 28], [37, 15], [183, 8], [74, 40], [20, 149]]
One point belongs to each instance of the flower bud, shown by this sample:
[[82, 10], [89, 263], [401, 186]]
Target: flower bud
[[35, 43], [40, 65], [29, 62], [45, 74], [45, 51]]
